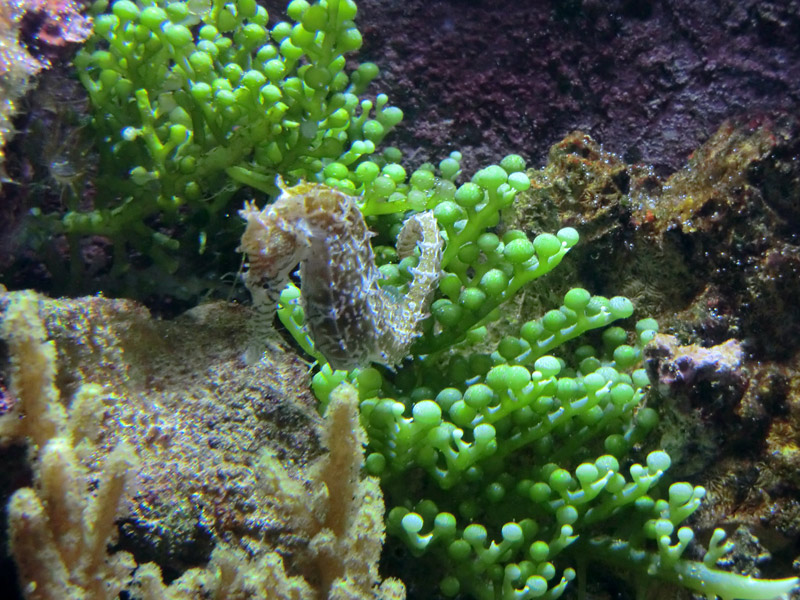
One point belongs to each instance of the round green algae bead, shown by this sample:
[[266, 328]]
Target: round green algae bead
[[449, 168], [680, 493], [302, 37], [510, 347], [347, 10], [470, 298], [614, 336], [265, 53], [459, 550], [607, 463], [349, 40], [475, 534], [254, 35], [513, 234], [513, 163], [539, 551], [616, 445], [620, 307], [109, 78], [458, 369], [383, 186], [340, 118], [449, 586], [495, 492], [225, 98], [519, 182], [566, 514], [103, 59], [142, 35], [444, 523], [658, 460], [477, 334], [201, 62], [177, 11], [587, 473], [271, 94], [531, 331], [226, 20], [461, 414], [621, 394], [539, 492], [518, 251], [125, 10], [153, 17], [390, 116], [423, 179], [208, 33], [281, 31], [554, 320], [223, 43], [336, 170], [394, 172], [494, 282], [478, 396], [488, 242], [412, 523], [548, 366], [233, 72], [450, 285], [560, 480], [373, 131], [491, 177], [548, 570], [290, 50], [593, 382], [274, 69], [427, 413], [448, 397], [469, 253], [568, 236], [644, 504], [512, 532], [315, 18], [480, 364], [625, 356], [546, 245], [375, 463], [178, 134], [296, 9], [253, 79], [208, 47], [105, 24], [448, 213], [517, 377], [577, 299], [644, 325]]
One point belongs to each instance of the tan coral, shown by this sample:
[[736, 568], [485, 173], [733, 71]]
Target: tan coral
[[37, 413], [58, 530], [200, 419]]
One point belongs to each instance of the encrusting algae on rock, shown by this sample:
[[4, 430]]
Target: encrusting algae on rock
[[159, 429]]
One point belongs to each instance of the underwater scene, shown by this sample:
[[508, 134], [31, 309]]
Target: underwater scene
[[384, 299]]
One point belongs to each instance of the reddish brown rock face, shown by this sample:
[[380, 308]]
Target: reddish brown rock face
[[649, 80]]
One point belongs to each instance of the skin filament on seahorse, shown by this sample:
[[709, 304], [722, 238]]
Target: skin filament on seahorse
[[352, 320]]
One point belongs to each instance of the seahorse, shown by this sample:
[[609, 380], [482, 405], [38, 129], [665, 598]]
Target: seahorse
[[352, 320]]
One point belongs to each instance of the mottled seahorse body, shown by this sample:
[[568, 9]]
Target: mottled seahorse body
[[352, 320]]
